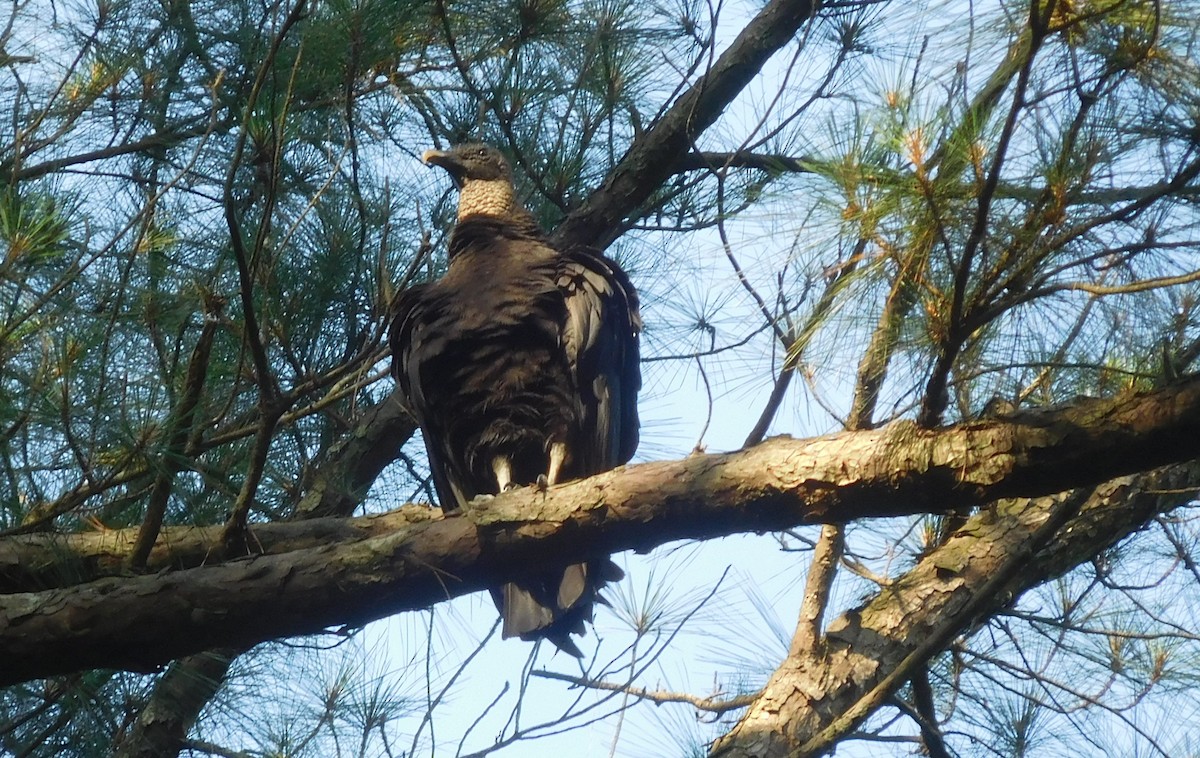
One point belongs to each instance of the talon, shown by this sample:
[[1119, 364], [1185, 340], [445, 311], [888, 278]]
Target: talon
[[542, 483]]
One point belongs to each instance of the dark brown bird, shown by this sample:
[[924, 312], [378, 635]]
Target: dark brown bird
[[521, 366]]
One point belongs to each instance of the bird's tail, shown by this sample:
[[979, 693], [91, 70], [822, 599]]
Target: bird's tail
[[556, 603]]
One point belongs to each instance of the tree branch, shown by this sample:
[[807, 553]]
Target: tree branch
[[142, 622], [924, 711], [181, 425], [342, 480], [772, 163], [175, 704], [813, 699], [654, 154]]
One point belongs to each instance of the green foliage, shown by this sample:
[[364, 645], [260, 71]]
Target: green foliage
[[926, 221], [35, 230], [77, 717]]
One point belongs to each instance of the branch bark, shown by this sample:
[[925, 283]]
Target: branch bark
[[342, 480], [142, 622]]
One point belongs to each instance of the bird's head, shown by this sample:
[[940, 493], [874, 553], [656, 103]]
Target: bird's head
[[472, 162], [483, 178]]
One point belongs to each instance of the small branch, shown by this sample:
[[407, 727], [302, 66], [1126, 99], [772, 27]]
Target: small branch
[[712, 704], [925, 714], [1126, 289], [774, 163], [881, 176], [935, 398], [432, 702], [709, 352], [159, 140], [774, 401], [797, 344], [180, 431], [256, 466], [727, 247], [267, 389], [213, 749], [821, 573]]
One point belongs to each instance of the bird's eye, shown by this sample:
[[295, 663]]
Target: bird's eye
[[481, 152]]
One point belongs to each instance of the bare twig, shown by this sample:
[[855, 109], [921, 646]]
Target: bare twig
[[712, 704]]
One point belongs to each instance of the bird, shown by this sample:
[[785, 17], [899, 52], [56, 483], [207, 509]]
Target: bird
[[521, 367]]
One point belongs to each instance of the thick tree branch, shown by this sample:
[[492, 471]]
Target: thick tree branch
[[142, 622], [174, 706], [813, 698], [44, 560], [653, 156], [895, 470]]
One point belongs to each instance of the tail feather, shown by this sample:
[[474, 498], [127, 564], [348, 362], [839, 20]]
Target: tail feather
[[572, 585], [555, 604]]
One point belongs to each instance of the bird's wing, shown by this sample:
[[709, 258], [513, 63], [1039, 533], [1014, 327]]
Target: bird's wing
[[400, 338], [600, 338], [412, 337]]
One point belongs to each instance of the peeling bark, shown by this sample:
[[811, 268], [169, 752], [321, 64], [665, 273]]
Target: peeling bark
[[144, 621]]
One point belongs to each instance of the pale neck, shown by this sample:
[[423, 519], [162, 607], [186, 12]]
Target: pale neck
[[486, 198]]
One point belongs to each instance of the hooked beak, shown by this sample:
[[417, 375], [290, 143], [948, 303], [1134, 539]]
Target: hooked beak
[[447, 161]]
